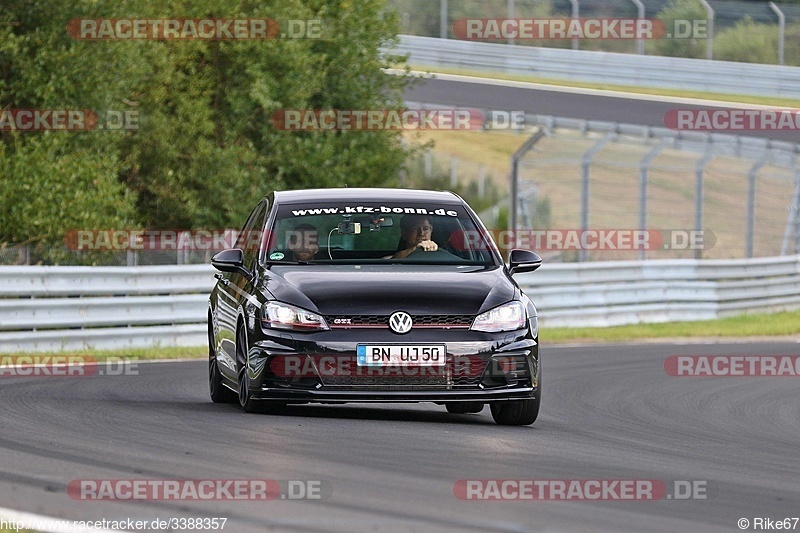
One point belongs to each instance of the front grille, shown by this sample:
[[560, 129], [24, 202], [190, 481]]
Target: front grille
[[443, 320], [355, 321], [382, 321]]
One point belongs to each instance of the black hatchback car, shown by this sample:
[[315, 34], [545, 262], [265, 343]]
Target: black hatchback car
[[372, 295]]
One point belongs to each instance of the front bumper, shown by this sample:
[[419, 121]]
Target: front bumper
[[387, 396], [480, 367]]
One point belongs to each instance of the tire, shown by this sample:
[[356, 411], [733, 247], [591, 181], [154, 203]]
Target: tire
[[243, 378], [516, 412], [246, 401], [460, 408], [219, 392]]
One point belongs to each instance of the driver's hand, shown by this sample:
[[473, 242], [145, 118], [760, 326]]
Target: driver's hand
[[425, 246], [428, 246]]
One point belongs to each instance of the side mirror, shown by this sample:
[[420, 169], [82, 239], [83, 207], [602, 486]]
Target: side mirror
[[231, 261], [523, 261]]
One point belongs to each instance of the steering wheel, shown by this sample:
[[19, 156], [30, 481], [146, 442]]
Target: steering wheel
[[437, 255]]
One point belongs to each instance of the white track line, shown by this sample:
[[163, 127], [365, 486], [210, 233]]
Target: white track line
[[47, 524]]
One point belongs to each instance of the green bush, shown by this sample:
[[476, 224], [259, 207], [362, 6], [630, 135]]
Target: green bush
[[751, 42], [679, 10], [748, 42]]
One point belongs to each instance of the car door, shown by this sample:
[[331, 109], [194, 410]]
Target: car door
[[233, 290]]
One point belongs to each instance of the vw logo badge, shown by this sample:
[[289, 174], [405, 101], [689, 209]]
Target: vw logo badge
[[400, 322]]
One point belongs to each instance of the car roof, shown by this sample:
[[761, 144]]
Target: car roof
[[365, 195]]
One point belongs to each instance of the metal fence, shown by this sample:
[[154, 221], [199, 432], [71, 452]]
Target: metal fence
[[484, 189], [56, 309], [436, 18], [739, 195]]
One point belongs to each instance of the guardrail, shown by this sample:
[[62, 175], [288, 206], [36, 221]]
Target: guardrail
[[629, 292], [71, 308], [47, 309], [605, 67]]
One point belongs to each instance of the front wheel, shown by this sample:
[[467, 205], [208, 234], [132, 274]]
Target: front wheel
[[246, 401], [516, 412], [219, 392]]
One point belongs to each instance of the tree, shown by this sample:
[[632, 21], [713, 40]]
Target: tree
[[204, 150]]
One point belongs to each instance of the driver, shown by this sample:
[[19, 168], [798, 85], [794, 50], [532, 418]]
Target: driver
[[416, 233], [304, 242]]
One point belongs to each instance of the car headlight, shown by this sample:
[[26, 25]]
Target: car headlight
[[284, 316], [507, 317]]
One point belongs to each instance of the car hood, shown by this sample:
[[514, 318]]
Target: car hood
[[383, 289]]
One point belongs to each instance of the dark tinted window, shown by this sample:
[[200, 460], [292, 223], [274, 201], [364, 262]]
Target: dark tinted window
[[249, 239], [375, 231]]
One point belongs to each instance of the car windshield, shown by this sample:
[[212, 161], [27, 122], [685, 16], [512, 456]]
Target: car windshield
[[377, 232]]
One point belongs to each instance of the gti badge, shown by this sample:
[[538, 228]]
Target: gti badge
[[400, 322]]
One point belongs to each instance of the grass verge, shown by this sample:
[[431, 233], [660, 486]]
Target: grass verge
[[751, 325], [140, 354]]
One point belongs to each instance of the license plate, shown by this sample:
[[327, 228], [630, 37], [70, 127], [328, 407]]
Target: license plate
[[401, 354]]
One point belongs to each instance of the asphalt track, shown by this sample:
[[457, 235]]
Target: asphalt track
[[561, 102], [609, 412]]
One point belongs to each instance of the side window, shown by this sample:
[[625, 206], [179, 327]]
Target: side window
[[250, 237]]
